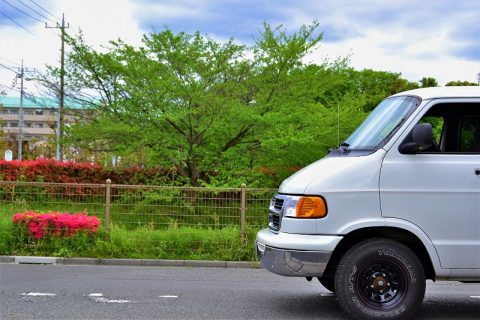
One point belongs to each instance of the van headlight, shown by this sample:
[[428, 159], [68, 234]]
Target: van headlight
[[306, 207]]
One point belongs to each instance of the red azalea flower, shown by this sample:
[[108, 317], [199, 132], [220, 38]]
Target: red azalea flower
[[57, 224]]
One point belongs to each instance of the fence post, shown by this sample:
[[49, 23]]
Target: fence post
[[108, 192], [243, 201]]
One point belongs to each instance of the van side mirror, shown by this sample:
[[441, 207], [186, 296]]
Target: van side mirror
[[421, 139]]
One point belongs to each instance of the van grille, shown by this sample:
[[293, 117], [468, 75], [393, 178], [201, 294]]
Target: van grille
[[274, 221], [274, 218], [278, 204]]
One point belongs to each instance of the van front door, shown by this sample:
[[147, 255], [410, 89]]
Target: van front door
[[439, 189]]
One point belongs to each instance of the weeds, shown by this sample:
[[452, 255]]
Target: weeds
[[143, 242], [146, 222]]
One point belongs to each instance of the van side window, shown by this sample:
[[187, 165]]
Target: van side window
[[470, 135], [437, 123], [456, 127]]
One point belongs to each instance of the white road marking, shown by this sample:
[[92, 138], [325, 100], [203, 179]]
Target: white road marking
[[98, 297], [327, 294], [475, 297], [95, 295], [168, 296], [39, 294]]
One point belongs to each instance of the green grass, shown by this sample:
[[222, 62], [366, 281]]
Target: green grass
[[143, 242], [6, 234], [136, 207], [176, 243], [132, 216], [159, 226]]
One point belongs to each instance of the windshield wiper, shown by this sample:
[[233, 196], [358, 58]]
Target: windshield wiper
[[344, 146]]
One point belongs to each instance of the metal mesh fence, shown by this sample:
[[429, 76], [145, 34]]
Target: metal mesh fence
[[43, 197], [201, 207], [162, 207], [166, 217]]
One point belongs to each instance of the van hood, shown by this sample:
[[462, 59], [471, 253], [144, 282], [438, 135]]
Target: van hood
[[336, 174]]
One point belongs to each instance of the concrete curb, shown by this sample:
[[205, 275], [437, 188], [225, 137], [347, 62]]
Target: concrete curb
[[130, 262]]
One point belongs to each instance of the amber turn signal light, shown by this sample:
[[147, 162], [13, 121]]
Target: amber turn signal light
[[311, 207]]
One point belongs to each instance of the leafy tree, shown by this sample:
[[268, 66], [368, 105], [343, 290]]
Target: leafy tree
[[220, 113], [461, 83], [187, 99], [426, 82], [111, 138], [375, 85]]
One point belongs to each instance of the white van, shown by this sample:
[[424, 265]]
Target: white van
[[397, 203]]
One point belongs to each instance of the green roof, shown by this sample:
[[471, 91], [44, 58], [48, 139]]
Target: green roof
[[36, 102]]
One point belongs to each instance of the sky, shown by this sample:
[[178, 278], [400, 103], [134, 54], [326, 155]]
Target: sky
[[429, 38]]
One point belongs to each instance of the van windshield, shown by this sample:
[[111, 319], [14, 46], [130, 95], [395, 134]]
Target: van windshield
[[380, 125]]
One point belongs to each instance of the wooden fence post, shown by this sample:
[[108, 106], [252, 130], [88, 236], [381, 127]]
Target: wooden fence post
[[108, 193], [243, 202]]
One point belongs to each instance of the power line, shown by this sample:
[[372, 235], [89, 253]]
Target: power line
[[12, 64], [7, 67], [10, 61], [20, 10], [40, 14], [18, 24], [45, 10], [8, 88]]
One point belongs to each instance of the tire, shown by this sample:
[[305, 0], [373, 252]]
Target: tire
[[328, 282], [379, 279]]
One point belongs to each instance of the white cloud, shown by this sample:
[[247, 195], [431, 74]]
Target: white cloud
[[379, 51], [36, 51], [421, 49], [171, 11], [430, 38], [100, 21]]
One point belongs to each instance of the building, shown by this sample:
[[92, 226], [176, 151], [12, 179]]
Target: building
[[40, 116]]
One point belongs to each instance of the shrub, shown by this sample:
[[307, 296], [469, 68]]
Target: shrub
[[71, 172], [54, 224], [50, 171]]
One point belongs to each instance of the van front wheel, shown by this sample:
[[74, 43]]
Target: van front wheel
[[379, 279]]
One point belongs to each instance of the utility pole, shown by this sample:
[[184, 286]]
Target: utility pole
[[20, 115], [478, 78], [21, 76], [61, 94]]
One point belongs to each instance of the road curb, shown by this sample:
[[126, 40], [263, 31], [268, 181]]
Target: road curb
[[130, 262]]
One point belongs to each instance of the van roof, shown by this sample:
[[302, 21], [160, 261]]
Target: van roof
[[443, 92]]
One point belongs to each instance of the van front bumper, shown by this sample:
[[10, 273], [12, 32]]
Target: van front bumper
[[295, 255]]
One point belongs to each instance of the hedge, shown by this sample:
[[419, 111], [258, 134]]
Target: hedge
[[71, 172]]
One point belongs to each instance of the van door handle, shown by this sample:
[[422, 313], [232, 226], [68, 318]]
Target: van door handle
[[477, 171]]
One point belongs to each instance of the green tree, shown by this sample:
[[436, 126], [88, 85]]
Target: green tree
[[218, 112], [375, 85], [192, 101], [426, 82], [461, 83]]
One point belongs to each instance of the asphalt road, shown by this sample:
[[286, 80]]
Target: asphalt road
[[106, 292]]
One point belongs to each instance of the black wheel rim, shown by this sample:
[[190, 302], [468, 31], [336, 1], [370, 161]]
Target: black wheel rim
[[382, 284]]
